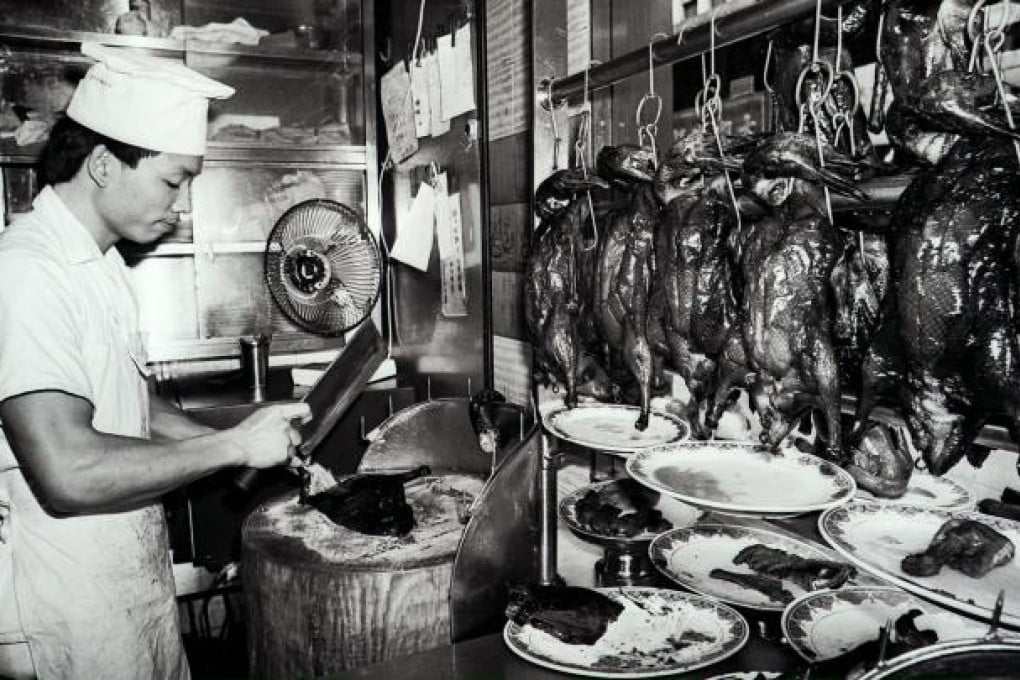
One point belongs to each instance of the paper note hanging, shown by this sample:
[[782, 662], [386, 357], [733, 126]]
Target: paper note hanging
[[442, 216], [398, 112], [457, 73], [437, 125], [451, 258], [420, 98], [416, 230]]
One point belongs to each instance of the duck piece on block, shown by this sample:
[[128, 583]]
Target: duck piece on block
[[369, 503]]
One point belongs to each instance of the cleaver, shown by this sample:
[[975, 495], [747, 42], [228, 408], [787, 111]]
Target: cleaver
[[330, 397]]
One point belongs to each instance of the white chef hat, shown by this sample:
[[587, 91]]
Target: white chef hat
[[155, 104]]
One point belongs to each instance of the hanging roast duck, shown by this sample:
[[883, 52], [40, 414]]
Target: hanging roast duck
[[625, 265], [921, 39], [556, 295], [694, 264], [786, 260], [946, 351]]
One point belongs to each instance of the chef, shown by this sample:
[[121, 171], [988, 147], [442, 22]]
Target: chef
[[86, 589]]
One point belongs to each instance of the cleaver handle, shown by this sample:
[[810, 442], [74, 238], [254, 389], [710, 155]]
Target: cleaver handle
[[244, 479]]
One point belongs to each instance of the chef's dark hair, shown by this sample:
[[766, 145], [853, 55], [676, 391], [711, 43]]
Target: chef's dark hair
[[69, 145]]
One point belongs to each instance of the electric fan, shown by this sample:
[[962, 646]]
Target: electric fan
[[323, 267]]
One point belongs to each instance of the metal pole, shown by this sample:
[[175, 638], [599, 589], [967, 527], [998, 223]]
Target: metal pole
[[482, 96], [547, 515], [734, 21]]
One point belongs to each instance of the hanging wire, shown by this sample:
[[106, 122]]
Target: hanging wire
[[390, 320], [993, 40], [817, 101], [647, 132], [712, 102], [581, 146], [557, 140]]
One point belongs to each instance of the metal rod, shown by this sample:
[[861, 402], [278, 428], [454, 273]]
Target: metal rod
[[547, 515], [734, 21], [485, 197]]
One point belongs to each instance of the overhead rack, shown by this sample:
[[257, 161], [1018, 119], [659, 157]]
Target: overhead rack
[[733, 21]]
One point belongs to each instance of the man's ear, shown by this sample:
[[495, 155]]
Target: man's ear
[[100, 164]]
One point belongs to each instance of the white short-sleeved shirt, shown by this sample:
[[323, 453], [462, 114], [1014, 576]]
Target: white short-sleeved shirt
[[79, 587]]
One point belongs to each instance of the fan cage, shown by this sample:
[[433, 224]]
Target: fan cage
[[323, 267]]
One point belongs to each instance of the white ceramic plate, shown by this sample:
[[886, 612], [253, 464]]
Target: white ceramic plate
[[742, 477], [677, 513], [826, 624], [928, 491], [878, 536], [660, 632], [689, 555], [747, 675], [610, 427]]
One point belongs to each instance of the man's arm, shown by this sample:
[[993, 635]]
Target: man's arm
[[166, 421], [77, 469]]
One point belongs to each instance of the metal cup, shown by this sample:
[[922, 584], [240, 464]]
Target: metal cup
[[255, 359]]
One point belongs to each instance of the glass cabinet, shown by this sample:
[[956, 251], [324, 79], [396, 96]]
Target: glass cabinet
[[300, 125]]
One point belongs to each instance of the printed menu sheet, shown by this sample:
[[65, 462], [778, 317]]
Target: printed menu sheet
[[509, 84]]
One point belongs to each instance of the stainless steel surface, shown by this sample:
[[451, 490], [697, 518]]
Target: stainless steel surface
[[436, 433], [547, 512], [498, 545], [336, 389], [255, 359], [734, 21]]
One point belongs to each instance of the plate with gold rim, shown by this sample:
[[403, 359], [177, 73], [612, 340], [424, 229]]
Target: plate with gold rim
[[825, 624], [877, 536], [690, 555]]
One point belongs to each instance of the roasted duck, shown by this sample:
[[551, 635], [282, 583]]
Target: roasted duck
[[695, 265], [786, 260], [625, 265], [624, 509], [881, 462], [946, 351], [808, 573], [769, 586], [576, 616], [859, 281], [921, 39], [962, 544], [557, 303], [369, 503]]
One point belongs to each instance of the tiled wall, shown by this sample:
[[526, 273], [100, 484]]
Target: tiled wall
[[508, 26]]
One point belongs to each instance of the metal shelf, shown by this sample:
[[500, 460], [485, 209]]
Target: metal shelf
[[56, 39], [734, 21]]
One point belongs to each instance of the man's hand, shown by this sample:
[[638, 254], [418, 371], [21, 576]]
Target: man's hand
[[268, 436]]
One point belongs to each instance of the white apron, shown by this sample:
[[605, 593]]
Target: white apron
[[93, 595]]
